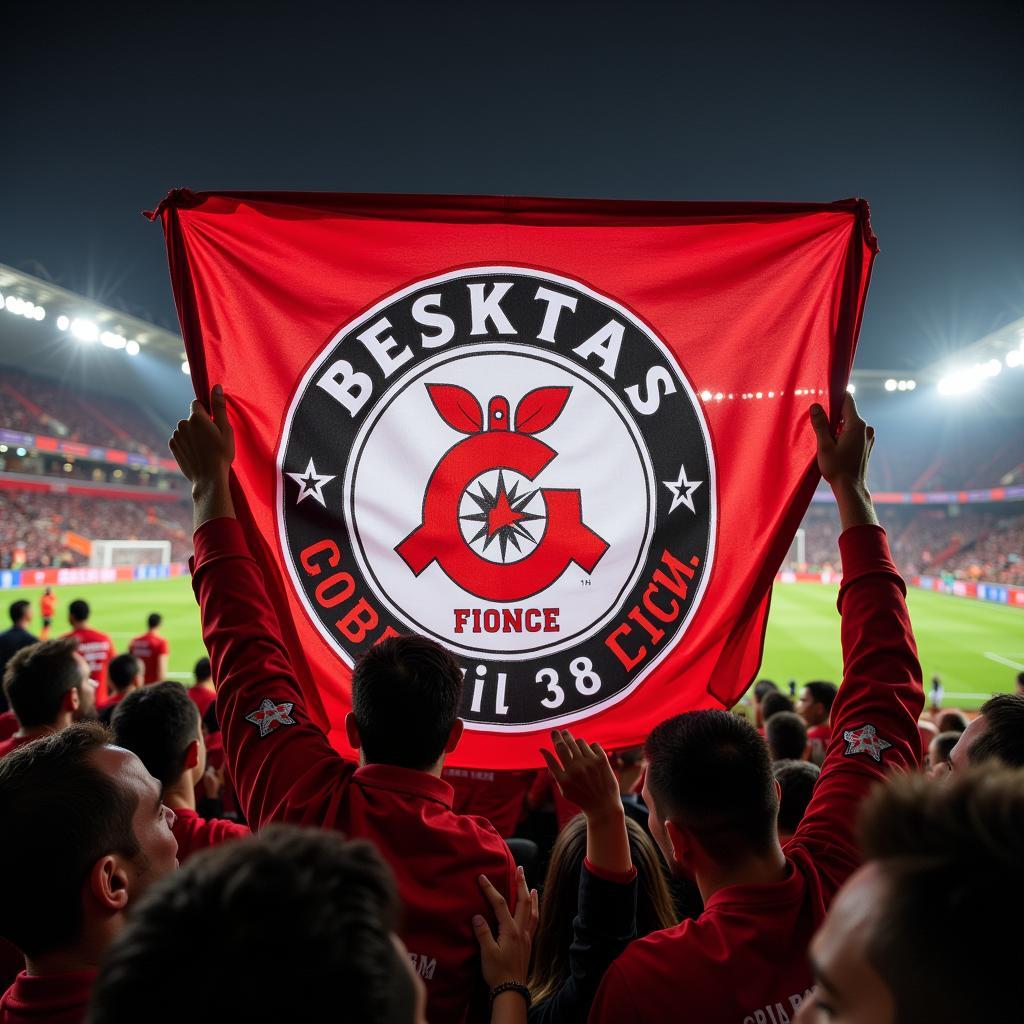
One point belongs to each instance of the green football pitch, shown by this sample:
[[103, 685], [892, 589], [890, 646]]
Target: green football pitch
[[976, 648]]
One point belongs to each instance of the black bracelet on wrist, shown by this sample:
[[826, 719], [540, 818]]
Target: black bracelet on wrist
[[511, 986]]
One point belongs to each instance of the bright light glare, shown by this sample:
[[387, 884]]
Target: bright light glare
[[63, 323], [112, 340], [992, 368], [705, 395], [132, 347], [890, 385], [911, 384], [1014, 357], [185, 370], [852, 388], [84, 330]]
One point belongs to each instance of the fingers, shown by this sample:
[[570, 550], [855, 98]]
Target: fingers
[[482, 931], [219, 408], [819, 421], [553, 765], [497, 902], [524, 901]]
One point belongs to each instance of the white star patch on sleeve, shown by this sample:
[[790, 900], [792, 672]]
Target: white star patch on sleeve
[[270, 716], [865, 740]]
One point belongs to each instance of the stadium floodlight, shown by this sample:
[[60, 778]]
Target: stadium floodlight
[[112, 340], [1014, 357], [757, 394], [705, 395], [131, 347], [84, 330], [890, 385], [911, 384], [185, 370], [22, 452], [992, 368], [63, 323], [39, 313], [852, 388]]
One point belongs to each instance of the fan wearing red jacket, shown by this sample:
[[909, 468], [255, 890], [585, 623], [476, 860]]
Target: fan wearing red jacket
[[97, 648], [714, 801], [405, 695], [152, 650]]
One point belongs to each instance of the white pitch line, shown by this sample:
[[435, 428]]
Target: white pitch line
[[1004, 661]]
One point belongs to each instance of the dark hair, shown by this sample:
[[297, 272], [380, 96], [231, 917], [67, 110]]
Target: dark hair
[[944, 743], [79, 610], [157, 723], [822, 693], [774, 703], [307, 906], [405, 697], [549, 964], [61, 813], [122, 671], [762, 688], [18, 610], [786, 733], [796, 779], [952, 721], [210, 723], [37, 678], [154, 620], [202, 670], [709, 771], [949, 852], [1003, 737]]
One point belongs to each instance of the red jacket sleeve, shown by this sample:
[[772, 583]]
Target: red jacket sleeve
[[281, 764], [874, 718]]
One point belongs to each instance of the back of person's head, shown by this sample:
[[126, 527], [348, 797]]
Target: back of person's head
[[822, 693], [38, 679], [202, 670], [158, 723], [1003, 735], [762, 688], [709, 772], [1020, 682], [550, 960], [19, 611], [406, 692], [796, 781], [775, 703], [282, 926], [952, 721], [78, 610], [61, 813], [786, 733], [940, 748], [123, 671], [950, 855], [154, 620]]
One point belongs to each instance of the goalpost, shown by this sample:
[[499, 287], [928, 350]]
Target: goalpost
[[106, 554], [797, 554]]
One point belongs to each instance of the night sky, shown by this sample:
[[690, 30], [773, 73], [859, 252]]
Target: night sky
[[918, 108]]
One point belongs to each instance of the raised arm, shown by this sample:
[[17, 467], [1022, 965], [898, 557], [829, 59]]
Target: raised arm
[[281, 764]]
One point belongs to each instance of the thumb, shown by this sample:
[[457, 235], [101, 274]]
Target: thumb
[[819, 421], [482, 931]]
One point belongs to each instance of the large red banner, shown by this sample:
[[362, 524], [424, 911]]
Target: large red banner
[[566, 438]]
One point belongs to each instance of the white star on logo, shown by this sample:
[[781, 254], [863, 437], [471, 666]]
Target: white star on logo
[[311, 483], [865, 740], [270, 716], [678, 486]]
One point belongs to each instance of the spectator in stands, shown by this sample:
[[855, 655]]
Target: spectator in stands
[[124, 674], [85, 834], [774, 703], [936, 854], [48, 687], [997, 733], [815, 706], [161, 726], [47, 607], [786, 734], [762, 688], [152, 650], [97, 648], [202, 689], [714, 802], [936, 761], [12, 640], [1020, 683], [952, 721], [796, 780], [405, 697]]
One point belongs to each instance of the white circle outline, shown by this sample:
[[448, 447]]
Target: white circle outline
[[315, 365]]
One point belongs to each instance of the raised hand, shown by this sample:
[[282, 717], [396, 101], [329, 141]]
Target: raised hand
[[843, 461], [507, 957]]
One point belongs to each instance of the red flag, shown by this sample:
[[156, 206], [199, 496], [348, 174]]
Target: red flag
[[567, 438]]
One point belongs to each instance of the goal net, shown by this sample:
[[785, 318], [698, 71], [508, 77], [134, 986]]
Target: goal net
[[108, 553]]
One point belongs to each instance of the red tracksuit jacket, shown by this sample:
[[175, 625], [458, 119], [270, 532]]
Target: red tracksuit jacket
[[284, 769], [744, 960]]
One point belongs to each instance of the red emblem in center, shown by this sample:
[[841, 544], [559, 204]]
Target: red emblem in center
[[499, 447]]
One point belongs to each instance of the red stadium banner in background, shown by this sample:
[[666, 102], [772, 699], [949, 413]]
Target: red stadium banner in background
[[566, 438]]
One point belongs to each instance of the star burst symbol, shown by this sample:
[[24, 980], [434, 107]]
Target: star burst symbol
[[311, 484], [865, 740], [270, 716], [502, 515]]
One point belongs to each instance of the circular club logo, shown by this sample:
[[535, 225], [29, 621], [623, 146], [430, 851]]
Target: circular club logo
[[513, 464]]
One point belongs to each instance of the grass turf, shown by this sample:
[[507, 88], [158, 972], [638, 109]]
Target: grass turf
[[976, 648]]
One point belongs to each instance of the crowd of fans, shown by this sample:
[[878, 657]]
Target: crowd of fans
[[844, 856]]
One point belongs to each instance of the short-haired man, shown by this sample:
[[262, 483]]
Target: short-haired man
[[936, 762], [85, 833], [774, 704], [815, 707], [935, 854], [714, 802], [796, 780], [406, 693], [12, 640], [97, 648], [124, 674], [161, 726], [761, 690], [996, 734], [152, 650], [48, 686], [786, 735], [330, 923], [202, 690]]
